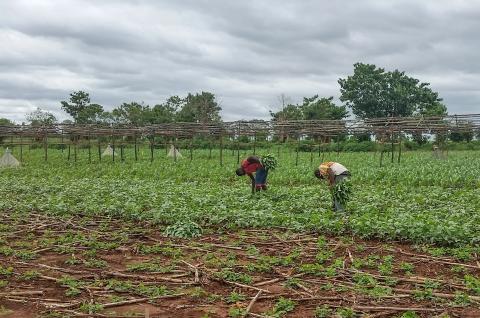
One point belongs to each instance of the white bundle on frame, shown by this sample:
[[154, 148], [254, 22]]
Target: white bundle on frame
[[8, 160], [108, 151], [174, 153]]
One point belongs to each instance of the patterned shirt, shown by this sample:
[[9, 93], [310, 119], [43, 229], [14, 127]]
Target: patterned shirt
[[251, 165], [336, 168]]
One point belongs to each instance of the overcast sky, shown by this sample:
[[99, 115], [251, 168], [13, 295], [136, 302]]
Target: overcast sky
[[246, 52]]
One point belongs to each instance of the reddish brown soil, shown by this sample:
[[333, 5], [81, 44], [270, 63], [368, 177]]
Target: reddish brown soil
[[40, 251]]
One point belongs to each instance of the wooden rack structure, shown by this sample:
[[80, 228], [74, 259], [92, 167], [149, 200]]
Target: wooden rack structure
[[119, 136]]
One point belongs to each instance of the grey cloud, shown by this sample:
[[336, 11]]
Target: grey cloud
[[246, 52]]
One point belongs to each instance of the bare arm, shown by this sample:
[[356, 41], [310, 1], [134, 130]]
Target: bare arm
[[331, 177]]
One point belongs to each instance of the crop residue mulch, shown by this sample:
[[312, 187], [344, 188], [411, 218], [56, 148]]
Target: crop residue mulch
[[103, 267]]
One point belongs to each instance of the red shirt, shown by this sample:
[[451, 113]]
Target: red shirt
[[250, 167]]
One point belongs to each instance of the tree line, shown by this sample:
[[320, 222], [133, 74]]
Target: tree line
[[370, 92]]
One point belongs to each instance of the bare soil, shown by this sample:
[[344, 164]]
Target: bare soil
[[104, 267]]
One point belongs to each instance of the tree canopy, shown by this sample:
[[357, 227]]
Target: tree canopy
[[41, 118], [202, 108], [312, 108], [81, 110], [6, 122], [372, 92]]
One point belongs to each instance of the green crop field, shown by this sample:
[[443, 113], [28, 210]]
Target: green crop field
[[77, 217], [419, 200]]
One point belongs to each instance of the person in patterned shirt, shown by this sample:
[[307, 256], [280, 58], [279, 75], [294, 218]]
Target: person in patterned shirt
[[334, 173], [253, 165]]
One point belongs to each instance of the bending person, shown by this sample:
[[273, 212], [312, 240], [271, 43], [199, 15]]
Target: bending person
[[334, 173], [253, 165]]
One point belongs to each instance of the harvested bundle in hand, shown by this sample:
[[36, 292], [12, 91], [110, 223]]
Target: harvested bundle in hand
[[342, 191], [269, 162]]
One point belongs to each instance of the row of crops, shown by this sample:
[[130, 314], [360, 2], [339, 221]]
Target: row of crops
[[423, 199]]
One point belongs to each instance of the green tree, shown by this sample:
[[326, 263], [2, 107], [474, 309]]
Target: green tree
[[201, 108], [81, 110], [289, 112], [41, 118], [372, 92], [132, 113], [6, 122], [166, 112], [322, 108]]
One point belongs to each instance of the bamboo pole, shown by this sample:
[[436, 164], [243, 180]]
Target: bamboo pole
[[113, 148], [99, 150], [399, 148], [152, 141], [46, 145], [135, 148], [298, 150], [221, 150], [75, 148]]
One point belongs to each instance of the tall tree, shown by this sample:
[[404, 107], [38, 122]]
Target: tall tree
[[201, 108], [6, 122], [41, 118], [132, 113], [371, 92], [166, 112], [288, 112], [322, 108], [81, 110]]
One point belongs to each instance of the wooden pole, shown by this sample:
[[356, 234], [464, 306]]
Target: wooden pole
[[152, 141], [399, 147], [311, 154], [381, 156], [238, 151], [338, 146], [99, 150], [113, 149], [89, 149], [46, 145], [75, 139], [298, 150], [68, 155], [191, 149], [136, 150], [21, 147], [221, 150], [393, 148]]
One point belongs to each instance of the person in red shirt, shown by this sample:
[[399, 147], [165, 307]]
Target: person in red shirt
[[253, 165]]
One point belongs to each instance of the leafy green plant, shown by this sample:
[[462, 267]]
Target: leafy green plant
[[269, 161], [472, 283], [342, 192], [407, 268], [184, 229], [236, 312], [282, 307], [235, 297], [232, 276], [322, 311], [345, 312]]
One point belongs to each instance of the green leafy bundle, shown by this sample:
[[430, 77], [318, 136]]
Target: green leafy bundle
[[183, 229], [269, 161], [342, 191]]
